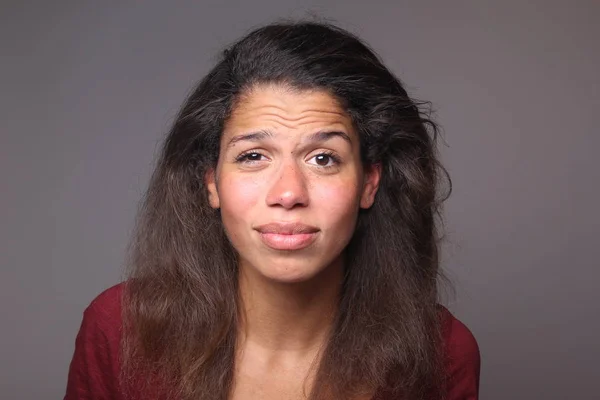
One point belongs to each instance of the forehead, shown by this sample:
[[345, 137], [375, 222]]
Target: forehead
[[280, 107]]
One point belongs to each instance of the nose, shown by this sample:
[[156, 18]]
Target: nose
[[289, 188]]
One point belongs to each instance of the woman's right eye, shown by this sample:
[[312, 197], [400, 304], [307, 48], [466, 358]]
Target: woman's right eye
[[251, 156]]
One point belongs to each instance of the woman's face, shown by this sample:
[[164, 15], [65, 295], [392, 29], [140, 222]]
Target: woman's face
[[289, 182]]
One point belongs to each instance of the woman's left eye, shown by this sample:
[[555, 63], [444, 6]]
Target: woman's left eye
[[325, 160]]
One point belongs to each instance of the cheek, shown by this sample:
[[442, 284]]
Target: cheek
[[238, 197], [338, 203]]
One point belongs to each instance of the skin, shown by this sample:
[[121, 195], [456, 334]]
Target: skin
[[288, 157]]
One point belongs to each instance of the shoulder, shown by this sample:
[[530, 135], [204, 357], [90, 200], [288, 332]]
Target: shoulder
[[463, 358], [105, 309], [109, 300], [95, 366], [459, 341], [102, 321]]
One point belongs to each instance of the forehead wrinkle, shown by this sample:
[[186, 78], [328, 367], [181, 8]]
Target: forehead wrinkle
[[312, 115], [290, 112], [295, 124], [250, 123], [305, 113], [309, 113]]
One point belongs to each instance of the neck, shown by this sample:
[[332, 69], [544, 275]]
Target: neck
[[290, 317]]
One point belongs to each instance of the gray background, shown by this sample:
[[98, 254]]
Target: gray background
[[90, 88]]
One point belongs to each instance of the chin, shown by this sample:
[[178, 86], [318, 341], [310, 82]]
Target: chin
[[291, 268], [289, 273]]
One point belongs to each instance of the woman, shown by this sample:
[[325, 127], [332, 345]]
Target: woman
[[286, 248]]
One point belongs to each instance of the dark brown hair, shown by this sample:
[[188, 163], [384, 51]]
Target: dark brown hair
[[181, 302]]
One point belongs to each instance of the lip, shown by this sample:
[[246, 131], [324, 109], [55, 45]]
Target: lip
[[287, 236]]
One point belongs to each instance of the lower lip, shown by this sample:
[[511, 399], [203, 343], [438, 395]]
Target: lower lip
[[288, 242]]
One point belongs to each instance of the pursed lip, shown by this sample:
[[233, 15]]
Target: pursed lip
[[287, 236], [286, 228]]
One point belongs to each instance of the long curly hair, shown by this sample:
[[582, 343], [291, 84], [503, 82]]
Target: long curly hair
[[181, 303]]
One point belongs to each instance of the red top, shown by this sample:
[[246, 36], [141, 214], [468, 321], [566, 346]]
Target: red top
[[94, 369]]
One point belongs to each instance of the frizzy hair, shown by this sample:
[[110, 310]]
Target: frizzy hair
[[181, 299]]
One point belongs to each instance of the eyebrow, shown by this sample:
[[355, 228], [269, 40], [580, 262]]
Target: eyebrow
[[321, 136], [251, 137]]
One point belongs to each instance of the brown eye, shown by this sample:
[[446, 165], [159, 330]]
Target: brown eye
[[253, 156], [249, 157], [322, 159], [325, 160]]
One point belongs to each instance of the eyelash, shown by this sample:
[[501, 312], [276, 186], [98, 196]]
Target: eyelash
[[336, 160], [244, 156]]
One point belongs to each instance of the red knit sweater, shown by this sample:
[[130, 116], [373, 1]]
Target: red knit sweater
[[94, 369]]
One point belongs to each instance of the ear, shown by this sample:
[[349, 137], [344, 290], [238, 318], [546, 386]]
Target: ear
[[370, 186], [211, 185]]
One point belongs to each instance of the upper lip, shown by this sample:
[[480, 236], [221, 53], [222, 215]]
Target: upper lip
[[286, 228]]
